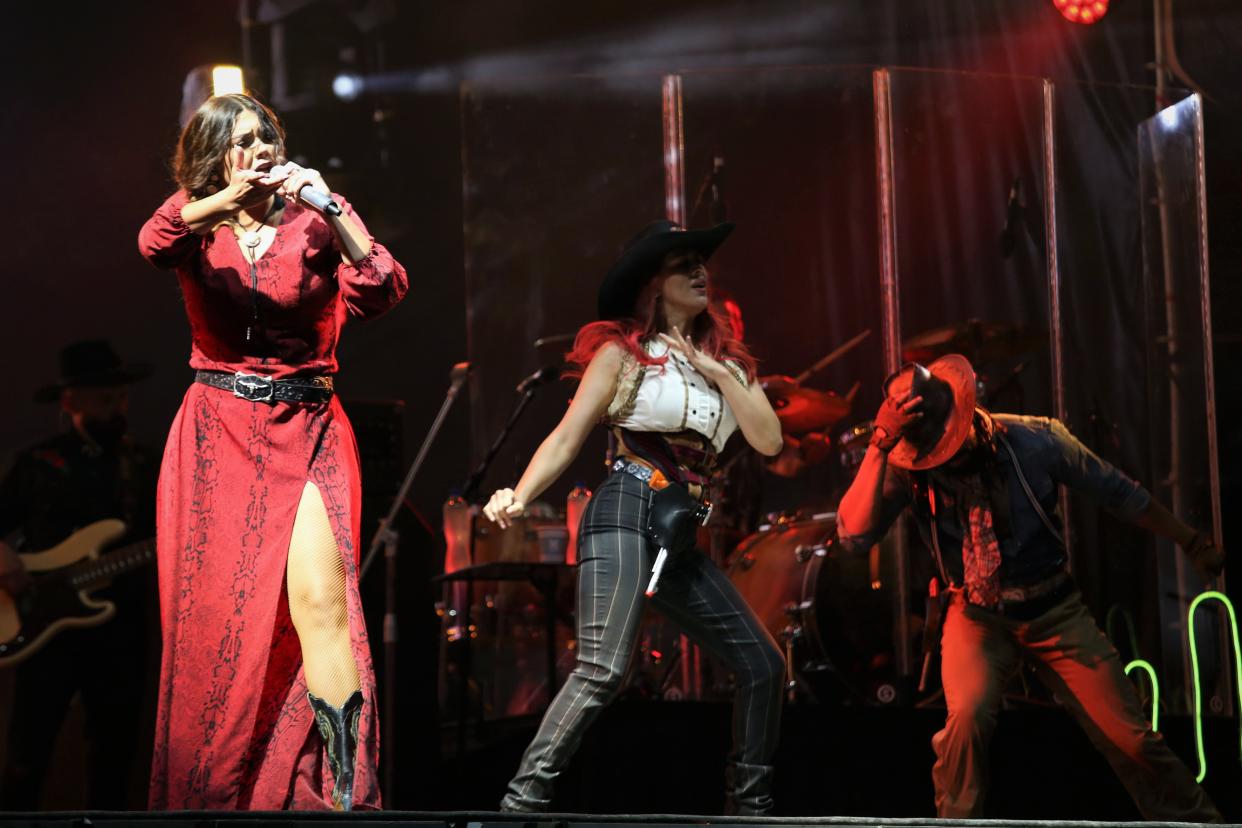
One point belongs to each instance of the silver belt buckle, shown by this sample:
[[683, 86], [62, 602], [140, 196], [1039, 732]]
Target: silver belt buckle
[[253, 387]]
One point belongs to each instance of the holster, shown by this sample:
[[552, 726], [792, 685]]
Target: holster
[[673, 517], [933, 620]]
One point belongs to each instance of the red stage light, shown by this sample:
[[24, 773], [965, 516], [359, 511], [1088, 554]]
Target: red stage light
[[1082, 11]]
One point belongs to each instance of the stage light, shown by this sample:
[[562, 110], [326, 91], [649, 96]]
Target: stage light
[[1082, 11], [227, 80], [347, 86]]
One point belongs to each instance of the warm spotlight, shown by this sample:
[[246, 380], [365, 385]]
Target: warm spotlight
[[227, 80], [1082, 11]]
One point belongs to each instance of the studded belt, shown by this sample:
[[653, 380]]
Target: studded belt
[[652, 476], [258, 388]]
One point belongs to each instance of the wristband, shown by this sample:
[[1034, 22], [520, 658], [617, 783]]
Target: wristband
[[884, 441]]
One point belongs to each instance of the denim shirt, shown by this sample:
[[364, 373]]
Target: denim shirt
[[1050, 455]]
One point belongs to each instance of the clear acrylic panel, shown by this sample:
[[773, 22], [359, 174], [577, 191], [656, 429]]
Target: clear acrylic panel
[[1182, 441], [968, 181], [558, 174], [793, 153], [798, 178]]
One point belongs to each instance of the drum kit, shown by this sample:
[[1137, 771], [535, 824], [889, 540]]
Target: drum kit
[[833, 613]]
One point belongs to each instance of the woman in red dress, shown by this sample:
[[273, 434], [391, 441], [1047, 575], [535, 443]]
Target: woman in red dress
[[267, 696]]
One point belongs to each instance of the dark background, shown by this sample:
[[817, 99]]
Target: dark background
[[90, 99]]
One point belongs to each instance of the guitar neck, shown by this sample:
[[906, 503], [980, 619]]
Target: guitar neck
[[92, 573]]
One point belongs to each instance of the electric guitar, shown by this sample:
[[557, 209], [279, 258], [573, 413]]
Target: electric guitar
[[58, 595]]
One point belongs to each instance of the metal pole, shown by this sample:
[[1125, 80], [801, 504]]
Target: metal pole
[[890, 308], [1209, 381], [1052, 262], [675, 210], [1205, 301], [674, 152]]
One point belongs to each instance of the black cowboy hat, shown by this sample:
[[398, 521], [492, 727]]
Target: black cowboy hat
[[91, 363], [641, 259]]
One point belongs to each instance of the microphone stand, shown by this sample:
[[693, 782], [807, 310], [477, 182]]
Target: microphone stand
[[470, 489], [470, 493], [387, 537]]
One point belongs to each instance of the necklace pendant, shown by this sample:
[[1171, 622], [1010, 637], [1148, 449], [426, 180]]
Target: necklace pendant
[[251, 239]]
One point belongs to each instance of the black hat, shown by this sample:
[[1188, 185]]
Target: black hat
[[91, 364], [641, 259]]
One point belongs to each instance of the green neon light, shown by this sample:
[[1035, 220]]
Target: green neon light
[[1155, 689], [1210, 595]]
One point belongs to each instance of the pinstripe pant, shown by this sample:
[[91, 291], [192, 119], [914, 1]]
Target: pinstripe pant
[[615, 560]]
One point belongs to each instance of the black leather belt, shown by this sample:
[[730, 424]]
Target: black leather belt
[[1030, 602], [258, 388], [1036, 590]]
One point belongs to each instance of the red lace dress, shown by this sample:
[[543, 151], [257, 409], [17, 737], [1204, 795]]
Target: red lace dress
[[234, 727]]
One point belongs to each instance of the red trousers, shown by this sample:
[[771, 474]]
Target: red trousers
[[981, 651]]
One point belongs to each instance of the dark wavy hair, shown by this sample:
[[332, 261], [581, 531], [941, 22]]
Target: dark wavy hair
[[199, 160]]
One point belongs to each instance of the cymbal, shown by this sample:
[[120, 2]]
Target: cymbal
[[980, 342], [802, 409]]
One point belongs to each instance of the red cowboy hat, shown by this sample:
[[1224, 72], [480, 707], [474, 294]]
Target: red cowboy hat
[[947, 387]]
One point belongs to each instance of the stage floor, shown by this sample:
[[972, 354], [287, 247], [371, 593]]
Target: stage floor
[[664, 761], [420, 819]]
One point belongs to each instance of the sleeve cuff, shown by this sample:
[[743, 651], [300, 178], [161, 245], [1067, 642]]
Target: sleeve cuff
[[172, 210], [1135, 503]]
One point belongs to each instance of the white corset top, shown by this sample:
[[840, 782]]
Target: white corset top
[[671, 397]]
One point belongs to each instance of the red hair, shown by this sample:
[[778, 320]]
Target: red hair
[[710, 332]]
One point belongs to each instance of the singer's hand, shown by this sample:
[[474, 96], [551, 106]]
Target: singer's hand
[[700, 360], [298, 177], [892, 420], [247, 188], [1207, 556], [503, 507]]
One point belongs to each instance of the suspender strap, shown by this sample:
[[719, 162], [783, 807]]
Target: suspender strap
[[935, 535], [1026, 487]]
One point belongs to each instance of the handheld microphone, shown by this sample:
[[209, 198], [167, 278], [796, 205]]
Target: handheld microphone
[[313, 197], [546, 374]]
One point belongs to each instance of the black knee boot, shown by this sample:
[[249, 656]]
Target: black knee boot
[[338, 726]]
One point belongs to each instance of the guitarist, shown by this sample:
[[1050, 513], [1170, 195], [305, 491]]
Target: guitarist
[[88, 472]]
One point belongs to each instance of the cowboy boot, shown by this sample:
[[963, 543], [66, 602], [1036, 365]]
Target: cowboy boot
[[748, 789], [338, 727]]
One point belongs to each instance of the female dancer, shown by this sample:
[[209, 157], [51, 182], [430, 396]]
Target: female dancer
[[665, 375], [257, 516]]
